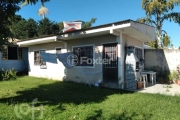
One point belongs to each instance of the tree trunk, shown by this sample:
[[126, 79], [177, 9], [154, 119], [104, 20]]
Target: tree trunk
[[159, 27], [159, 42], [43, 16]]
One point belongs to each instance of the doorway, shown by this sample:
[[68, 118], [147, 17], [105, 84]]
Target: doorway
[[110, 63]]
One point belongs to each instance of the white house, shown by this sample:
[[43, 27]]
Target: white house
[[108, 41]]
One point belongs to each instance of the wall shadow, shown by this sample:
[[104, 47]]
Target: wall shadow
[[157, 60]]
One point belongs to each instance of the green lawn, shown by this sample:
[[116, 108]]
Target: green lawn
[[68, 101]]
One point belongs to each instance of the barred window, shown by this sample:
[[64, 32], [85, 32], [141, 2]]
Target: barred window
[[84, 55], [5, 53], [138, 52], [37, 58], [20, 53]]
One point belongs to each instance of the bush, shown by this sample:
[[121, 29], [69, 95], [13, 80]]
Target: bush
[[8, 74], [175, 74], [170, 77]]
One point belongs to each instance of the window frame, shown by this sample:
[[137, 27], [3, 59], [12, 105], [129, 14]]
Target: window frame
[[90, 45], [40, 57], [5, 50], [18, 54], [142, 53], [17, 48]]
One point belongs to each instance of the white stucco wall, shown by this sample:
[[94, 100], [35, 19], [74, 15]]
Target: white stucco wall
[[162, 60], [58, 71], [97, 43], [53, 71]]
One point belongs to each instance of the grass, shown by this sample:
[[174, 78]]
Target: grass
[[72, 101]]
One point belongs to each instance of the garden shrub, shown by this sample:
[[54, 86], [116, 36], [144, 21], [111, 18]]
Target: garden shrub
[[8, 74]]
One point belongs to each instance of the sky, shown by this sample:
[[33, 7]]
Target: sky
[[106, 11]]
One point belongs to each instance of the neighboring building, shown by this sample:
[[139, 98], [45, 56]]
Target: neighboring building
[[14, 57], [107, 41]]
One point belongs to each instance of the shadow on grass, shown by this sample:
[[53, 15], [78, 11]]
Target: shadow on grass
[[64, 92], [97, 114], [120, 116]]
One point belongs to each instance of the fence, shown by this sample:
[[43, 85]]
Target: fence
[[162, 60]]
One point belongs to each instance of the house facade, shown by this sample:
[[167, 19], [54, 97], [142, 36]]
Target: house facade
[[14, 57], [100, 50]]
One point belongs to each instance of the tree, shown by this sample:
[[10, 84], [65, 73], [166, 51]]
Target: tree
[[88, 24], [8, 8], [25, 2], [7, 12], [61, 26], [43, 10], [19, 30], [157, 11], [32, 27], [24, 29], [47, 27]]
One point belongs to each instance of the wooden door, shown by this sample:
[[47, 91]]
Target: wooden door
[[110, 63]]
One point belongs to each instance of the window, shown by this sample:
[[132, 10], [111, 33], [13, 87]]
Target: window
[[138, 52], [5, 53], [84, 55], [37, 58], [20, 53], [58, 50], [12, 53]]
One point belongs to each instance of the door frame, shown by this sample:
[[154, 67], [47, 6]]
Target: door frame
[[109, 43]]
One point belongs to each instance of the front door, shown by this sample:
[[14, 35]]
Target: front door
[[110, 63]]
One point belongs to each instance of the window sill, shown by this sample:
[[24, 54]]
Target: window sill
[[12, 60], [84, 66]]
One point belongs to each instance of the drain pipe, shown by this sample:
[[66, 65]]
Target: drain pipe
[[65, 43]]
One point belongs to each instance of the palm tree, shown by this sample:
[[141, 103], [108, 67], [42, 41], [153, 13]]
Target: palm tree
[[42, 11], [157, 11]]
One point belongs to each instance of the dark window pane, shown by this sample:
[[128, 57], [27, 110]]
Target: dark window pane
[[12, 53], [138, 53]]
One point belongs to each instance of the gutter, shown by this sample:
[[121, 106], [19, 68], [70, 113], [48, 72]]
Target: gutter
[[65, 43]]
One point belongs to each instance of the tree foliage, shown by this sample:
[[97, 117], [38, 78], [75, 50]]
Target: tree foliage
[[88, 24], [47, 27], [7, 12], [42, 11], [157, 11], [25, 2], [8, 8], [166, 41], [24, 29]]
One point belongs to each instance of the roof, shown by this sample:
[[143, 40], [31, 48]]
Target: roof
[[100, 30]]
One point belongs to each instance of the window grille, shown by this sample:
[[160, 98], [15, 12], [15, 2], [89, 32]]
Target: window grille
[[84, 55]]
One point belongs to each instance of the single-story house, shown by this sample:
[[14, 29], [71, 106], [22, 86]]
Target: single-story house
[[14, 57], [98, 44]]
